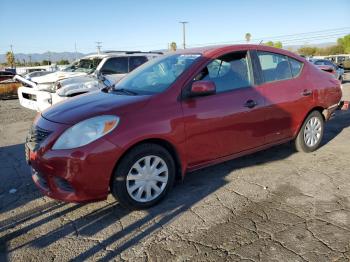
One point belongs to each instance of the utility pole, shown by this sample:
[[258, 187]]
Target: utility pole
[[49, 54], [30, 60], [14, 58], [184, 32], [98, 46], [75, 48]]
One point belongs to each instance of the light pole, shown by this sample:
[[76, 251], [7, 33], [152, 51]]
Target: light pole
[[98, 46], [184, 32]]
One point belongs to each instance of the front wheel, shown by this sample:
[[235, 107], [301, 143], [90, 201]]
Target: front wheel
[[143, 176], [310, 134]]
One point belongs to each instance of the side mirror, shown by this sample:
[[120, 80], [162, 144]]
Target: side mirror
[[203, 88]]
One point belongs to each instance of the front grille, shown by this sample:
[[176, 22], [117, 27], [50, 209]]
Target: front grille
[[29, 96], [35, 137]]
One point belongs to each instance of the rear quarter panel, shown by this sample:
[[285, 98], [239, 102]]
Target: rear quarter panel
[[327, 91]]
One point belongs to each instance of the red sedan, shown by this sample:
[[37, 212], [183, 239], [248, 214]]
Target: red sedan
[[174, 114]]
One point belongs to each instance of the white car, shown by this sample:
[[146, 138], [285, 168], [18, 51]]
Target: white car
[[40, 93]]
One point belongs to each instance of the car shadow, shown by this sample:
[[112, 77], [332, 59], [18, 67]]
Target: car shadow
[[84, 221], [334, 126], [16, 187]]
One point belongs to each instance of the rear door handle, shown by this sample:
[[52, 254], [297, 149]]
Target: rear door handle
[[306, 92], [250, 104]]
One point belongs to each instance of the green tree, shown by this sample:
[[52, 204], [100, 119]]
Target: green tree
[[307, 51], [344, 42], [248, 36], [63, 62], [10, 58], [45, 62], [278, 44]]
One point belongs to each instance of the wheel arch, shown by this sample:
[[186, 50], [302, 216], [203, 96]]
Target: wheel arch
[[179, 175], [320, 109]]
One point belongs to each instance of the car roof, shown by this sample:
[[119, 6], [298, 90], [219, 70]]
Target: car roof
[[212, 50], [121, 54]]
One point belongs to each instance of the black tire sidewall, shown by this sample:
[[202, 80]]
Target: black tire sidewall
[[118, 185]]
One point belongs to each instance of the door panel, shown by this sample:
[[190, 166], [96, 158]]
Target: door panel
[[221, 124], [288, 95]]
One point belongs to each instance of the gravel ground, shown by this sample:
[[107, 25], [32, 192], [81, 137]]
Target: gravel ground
[[275, 205]]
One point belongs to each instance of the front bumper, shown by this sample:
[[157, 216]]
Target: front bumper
[[37, 100], [34, 99], [72, 175]]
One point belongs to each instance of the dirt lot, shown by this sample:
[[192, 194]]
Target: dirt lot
[[276, 205]]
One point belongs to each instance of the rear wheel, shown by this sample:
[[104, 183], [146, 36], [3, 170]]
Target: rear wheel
[[310, 134], [143, 177]]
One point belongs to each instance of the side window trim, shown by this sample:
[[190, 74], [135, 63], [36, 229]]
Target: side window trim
[[258, 77]]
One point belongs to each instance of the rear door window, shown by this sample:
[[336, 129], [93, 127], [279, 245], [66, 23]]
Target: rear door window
[[274, 66]]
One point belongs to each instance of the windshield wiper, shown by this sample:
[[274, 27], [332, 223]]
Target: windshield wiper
[[125, 91]]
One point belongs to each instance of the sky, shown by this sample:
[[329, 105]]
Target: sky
[[37, 26]]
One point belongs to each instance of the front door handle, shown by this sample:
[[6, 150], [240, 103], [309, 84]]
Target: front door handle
[[250, 104], [306, 92]]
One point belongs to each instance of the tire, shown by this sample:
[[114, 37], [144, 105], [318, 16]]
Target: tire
[[309, 143], [132, 176]]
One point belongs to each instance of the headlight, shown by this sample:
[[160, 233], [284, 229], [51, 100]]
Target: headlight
[[47, 87], [86, 132]]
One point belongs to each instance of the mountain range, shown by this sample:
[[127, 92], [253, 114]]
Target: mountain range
[[71, 56], [53, 56]]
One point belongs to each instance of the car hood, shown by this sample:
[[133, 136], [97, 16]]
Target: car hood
[[93, 104], [53, 77], [81, 84], [77, 80]]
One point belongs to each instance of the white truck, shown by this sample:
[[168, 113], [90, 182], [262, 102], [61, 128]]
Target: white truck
[[39, 93]]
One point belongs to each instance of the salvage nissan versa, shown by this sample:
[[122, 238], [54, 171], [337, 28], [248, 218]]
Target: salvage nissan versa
[[174, 114]]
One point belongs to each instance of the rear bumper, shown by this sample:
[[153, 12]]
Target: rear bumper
[[329, 112]]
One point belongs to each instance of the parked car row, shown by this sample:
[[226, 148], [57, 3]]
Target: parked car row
[[330, 67], [39, 93], [6, 75], [176, 113]]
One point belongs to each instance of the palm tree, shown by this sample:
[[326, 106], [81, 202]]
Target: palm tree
[[173, 46], [248, 36], [10, 58]]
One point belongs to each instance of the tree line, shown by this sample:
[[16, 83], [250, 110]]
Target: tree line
[[342, 47], [12, 62]]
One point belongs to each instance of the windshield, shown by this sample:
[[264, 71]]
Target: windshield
[[157, 75], [84, 65]]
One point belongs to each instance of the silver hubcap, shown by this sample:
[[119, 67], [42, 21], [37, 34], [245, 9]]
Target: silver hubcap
[[147, 178], [312, 131]]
